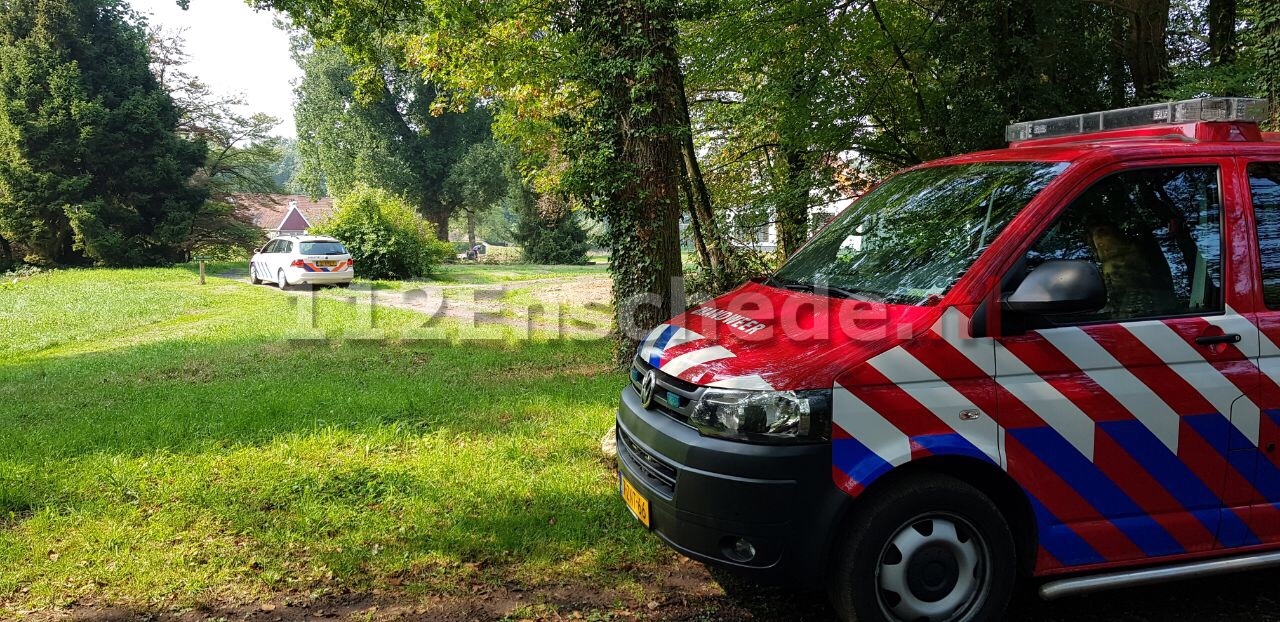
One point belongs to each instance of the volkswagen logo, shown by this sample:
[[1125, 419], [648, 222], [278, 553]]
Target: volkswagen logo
[[647, 386]]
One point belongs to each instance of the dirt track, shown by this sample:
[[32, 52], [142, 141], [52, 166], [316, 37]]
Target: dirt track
[[685, 591]]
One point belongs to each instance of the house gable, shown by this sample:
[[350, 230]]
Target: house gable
[[294, 221]]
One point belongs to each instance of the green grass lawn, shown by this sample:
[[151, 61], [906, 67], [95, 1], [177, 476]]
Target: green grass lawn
[[168, 445], [466, 273]]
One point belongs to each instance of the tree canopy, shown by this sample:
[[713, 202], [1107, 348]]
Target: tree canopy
[[729, 111], [394, 136], [91, 169]]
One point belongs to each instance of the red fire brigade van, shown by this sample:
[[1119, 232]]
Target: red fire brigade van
[[1057, 360]]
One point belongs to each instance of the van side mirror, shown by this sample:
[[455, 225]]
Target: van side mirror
[[1059, 286]]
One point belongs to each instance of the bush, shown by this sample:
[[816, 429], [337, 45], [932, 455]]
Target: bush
[[386, 237], [550, 233]]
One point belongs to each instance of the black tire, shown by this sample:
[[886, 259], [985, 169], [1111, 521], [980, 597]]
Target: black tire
[[281, 281], [928, 509], [253, 274]]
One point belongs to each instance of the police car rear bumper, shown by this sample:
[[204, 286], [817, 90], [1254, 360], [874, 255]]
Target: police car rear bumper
[[707, 494], [302, 276]]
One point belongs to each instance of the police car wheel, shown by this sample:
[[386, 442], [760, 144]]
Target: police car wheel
[[929, 549], [253, 275], [282, 281]]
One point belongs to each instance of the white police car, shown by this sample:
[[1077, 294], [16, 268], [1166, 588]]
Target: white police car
[[302, 259]]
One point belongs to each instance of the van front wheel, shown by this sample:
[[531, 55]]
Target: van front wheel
[[932, 548]]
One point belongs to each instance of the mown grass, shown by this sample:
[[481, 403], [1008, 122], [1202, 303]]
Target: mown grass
[[166, 444], [488, 274], [467, 273]]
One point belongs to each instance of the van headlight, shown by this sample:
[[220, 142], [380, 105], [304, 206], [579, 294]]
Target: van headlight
[[764, 416]]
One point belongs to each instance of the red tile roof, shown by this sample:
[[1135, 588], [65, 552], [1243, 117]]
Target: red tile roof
[[268, 211]]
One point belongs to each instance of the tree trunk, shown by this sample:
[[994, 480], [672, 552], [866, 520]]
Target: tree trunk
[[1269, 68], [6, 251], [700, 211], [630, 45], [471, 228], [793, 205], [1119, 64], [438, 216], [1145, 46], [1222, 31], [695, 227]]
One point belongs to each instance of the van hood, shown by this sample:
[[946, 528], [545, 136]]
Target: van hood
[[766, 338]]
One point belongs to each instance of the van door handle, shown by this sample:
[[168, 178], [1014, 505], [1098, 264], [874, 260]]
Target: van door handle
[[1208, 340]]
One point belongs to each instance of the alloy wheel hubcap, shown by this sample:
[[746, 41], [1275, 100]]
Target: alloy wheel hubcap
[[933, 569]]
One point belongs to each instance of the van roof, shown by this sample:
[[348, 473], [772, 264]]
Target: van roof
[[1198, 138]]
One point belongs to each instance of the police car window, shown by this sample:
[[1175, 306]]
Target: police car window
[[1155, 235], [322, 248], [911, 239], [1264, 183]]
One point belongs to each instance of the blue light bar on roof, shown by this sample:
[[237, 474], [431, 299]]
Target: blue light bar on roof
[[1246, 109]]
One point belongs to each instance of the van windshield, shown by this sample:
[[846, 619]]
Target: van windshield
[[910, 240]]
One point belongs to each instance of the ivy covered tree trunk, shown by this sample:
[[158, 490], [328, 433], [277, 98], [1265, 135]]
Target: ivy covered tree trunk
[[1145, 50], [629, 155], [1222, 31], [1269, 68], [793, 204]]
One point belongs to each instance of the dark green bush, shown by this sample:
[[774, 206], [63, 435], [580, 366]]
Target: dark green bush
[[387, 238], [549, 233]]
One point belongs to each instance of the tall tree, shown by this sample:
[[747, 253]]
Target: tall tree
[[1222, 31], [480, 180], [242, 158], [592, 88], [1145, 43], [1269, 56], [627, 153], [388, 129], [90, 165]]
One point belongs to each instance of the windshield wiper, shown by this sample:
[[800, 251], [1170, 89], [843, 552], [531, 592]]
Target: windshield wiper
[[829, 290]]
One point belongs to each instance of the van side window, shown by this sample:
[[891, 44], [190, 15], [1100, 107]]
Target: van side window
[[1264, 183], [1155, 235]]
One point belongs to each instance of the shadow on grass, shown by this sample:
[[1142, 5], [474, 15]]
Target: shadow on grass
[[367, 461]]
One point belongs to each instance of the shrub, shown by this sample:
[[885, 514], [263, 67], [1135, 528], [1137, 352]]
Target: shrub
[[549, 232], [386, 237]]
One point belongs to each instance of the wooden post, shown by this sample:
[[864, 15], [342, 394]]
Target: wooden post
[[202, 260]]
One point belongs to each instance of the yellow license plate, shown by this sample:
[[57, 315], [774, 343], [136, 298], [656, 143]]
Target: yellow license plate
[[635, 501], [326, 264]]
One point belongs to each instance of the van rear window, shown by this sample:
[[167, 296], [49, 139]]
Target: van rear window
[[912, 238], [323, 248]]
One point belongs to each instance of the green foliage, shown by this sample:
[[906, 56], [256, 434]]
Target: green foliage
[[387, 238], [549, 233], [395, 137], [484, 183], [90, 167]]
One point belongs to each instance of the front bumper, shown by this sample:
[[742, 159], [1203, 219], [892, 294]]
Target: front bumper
[[705, 493]]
